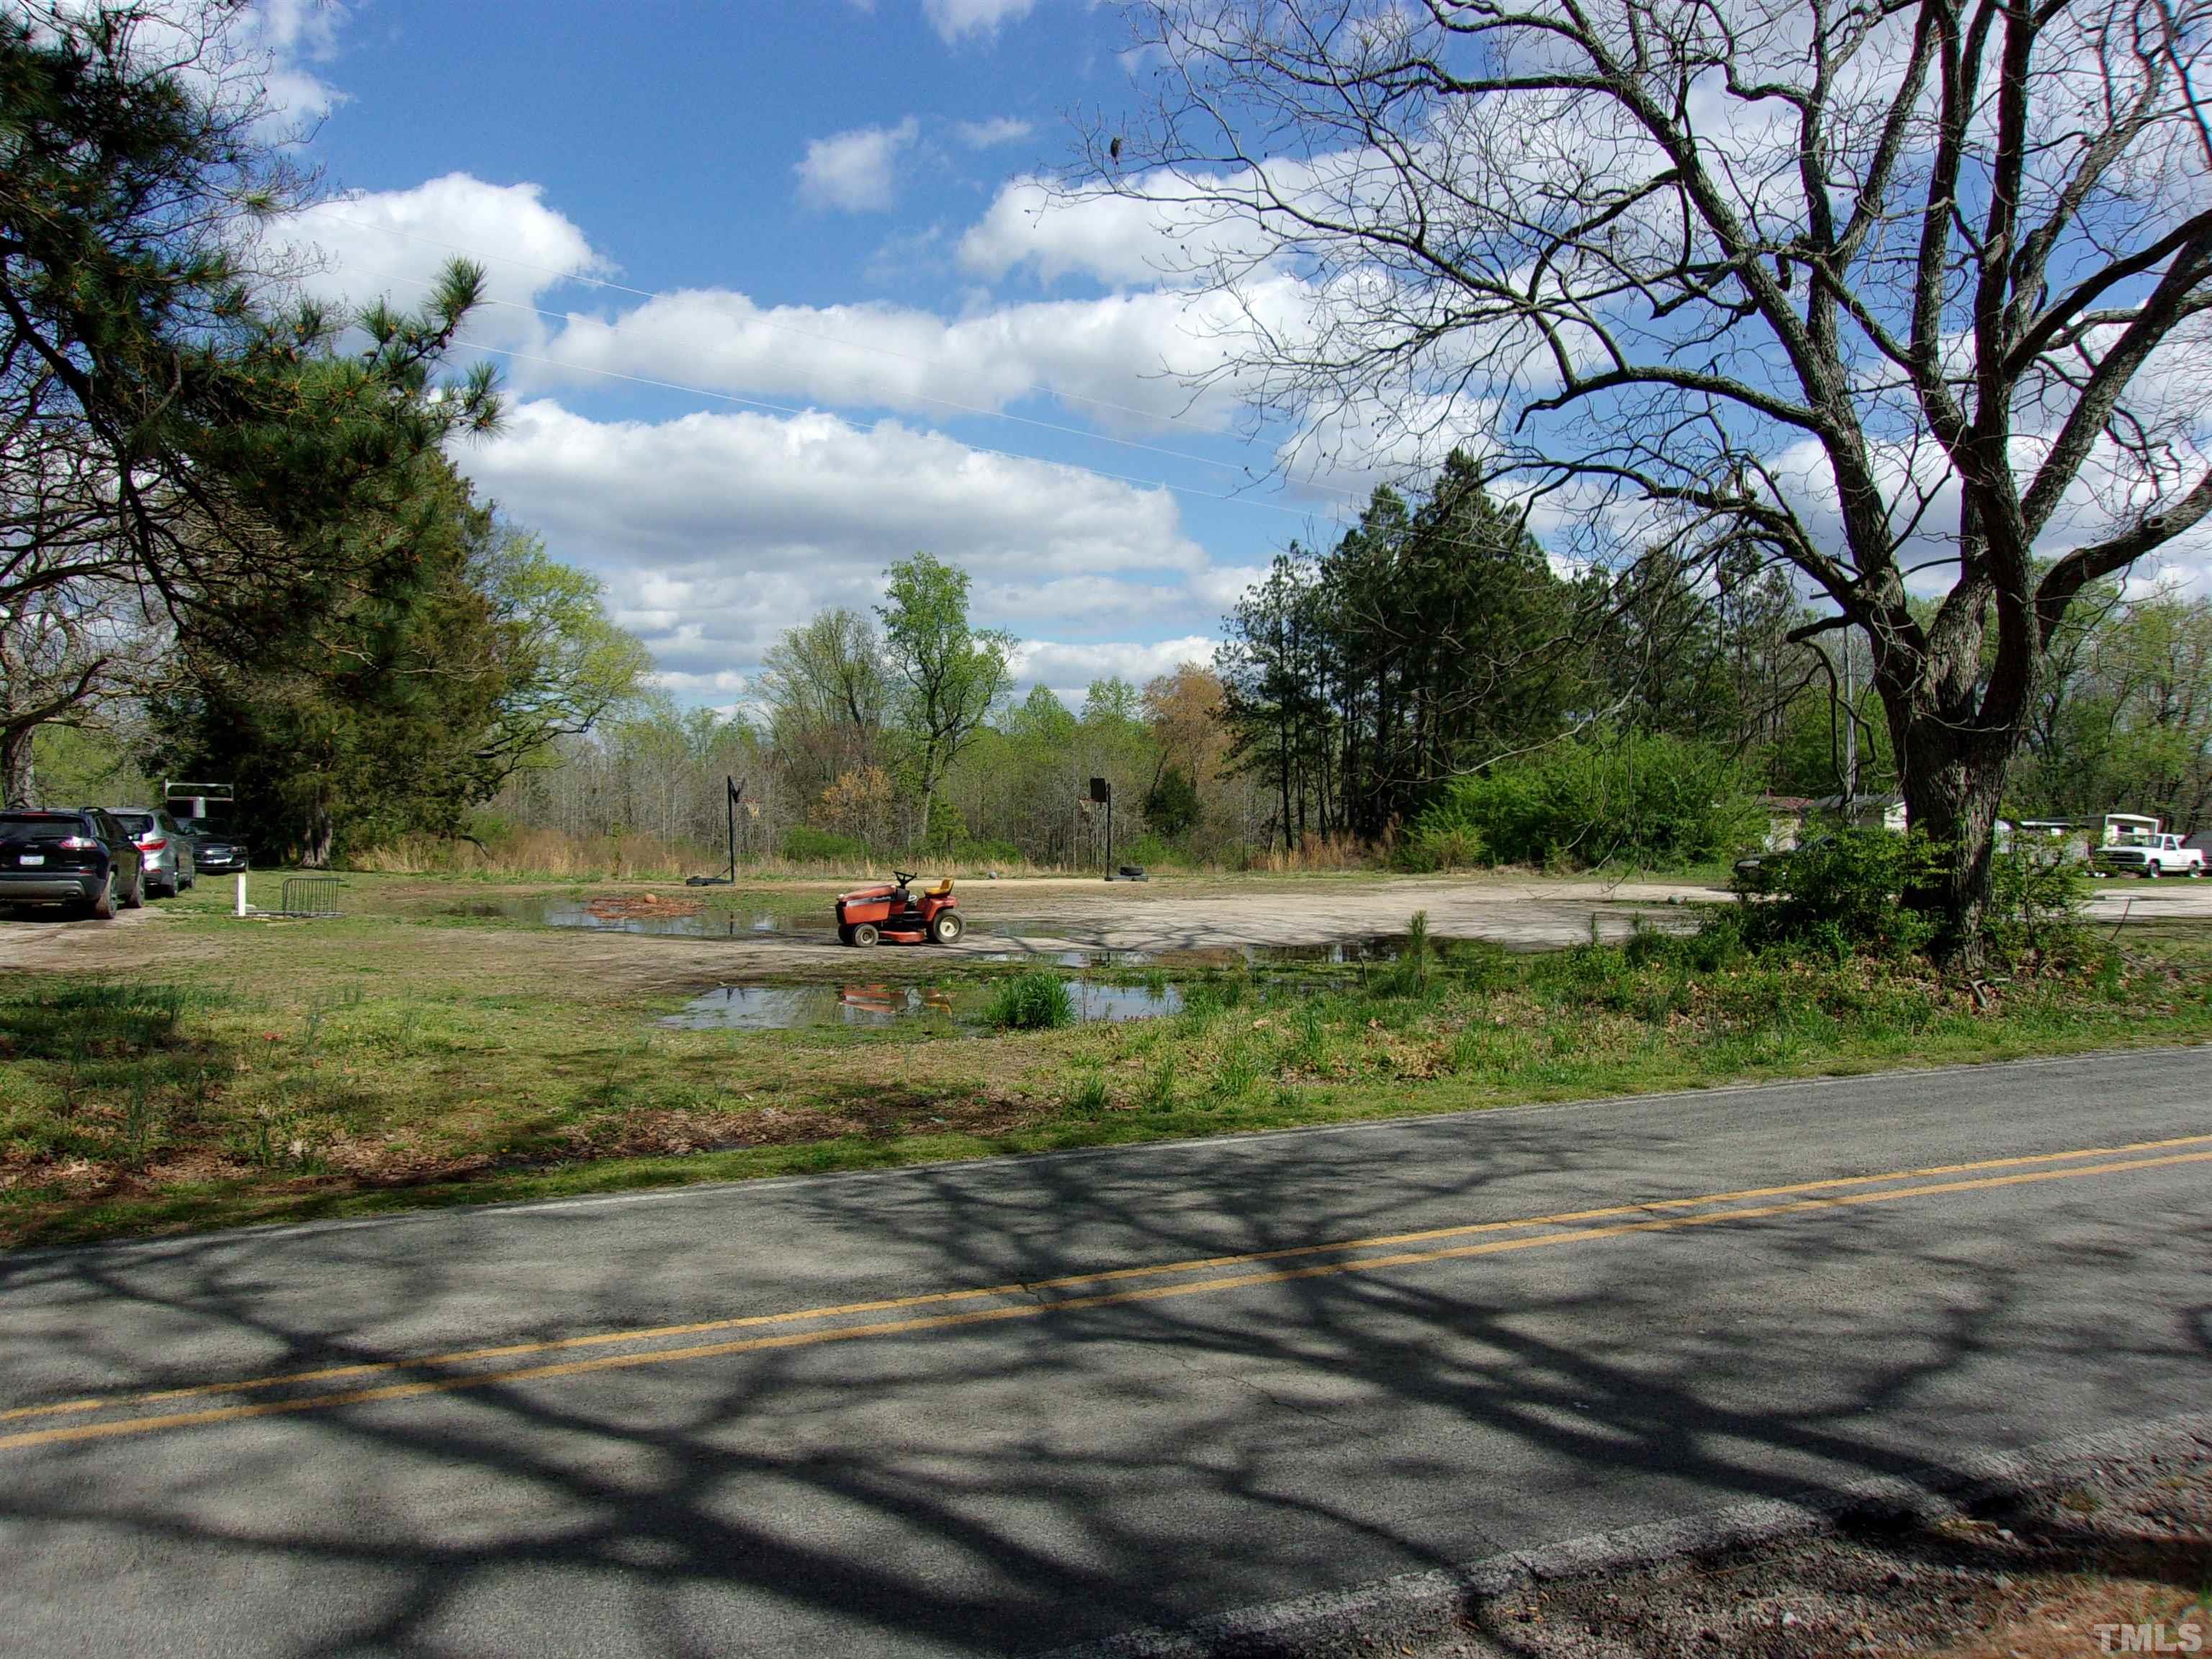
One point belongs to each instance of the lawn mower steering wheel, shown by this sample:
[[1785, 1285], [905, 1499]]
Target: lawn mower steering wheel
[[902, 876]]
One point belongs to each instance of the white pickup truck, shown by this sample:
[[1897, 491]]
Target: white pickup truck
[[2150, 856]]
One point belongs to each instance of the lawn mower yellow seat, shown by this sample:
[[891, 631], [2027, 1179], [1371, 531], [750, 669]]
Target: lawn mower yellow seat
[[941, 889]]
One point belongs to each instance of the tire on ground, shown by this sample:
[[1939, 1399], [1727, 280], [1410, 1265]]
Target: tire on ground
[[864, 934], [946, 926]]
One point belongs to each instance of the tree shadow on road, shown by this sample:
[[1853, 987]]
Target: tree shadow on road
[[1040, 1481]]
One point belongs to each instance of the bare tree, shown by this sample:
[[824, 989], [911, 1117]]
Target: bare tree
[[1911, 292]]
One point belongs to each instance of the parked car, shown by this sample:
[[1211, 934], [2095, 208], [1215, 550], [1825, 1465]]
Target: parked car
[[77, 856], [163, 847], [217, 849], [2150, 856], [1772, 864]]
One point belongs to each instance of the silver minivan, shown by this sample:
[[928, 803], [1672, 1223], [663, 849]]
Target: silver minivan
[[166, 850]]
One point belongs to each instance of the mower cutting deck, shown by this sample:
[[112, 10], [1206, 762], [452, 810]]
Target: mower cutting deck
[[896, 914]]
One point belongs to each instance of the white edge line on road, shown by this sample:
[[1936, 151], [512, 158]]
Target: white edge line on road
[[1424, 1602], [1179, 1147]]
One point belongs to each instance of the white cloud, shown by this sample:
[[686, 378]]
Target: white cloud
[[853, 172], [1121, 359], [1068, 669], [715, 532], [1000, 130], [955, 20], [395, 242], [1117, 240]]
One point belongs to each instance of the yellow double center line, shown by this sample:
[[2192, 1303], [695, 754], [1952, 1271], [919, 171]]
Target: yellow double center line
[[1038, 1298]]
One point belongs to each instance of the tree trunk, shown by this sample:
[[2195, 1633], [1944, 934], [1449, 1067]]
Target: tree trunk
[[15, 767], [315, 853], [1953, 781]]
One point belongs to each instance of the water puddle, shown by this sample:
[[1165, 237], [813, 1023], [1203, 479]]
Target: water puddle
[[802, 1007], [795, 1007], [1373, 949], [673, 917]]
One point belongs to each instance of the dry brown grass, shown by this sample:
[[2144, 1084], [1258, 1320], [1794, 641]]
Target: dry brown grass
[[552, 856], [1319, 853], [541, 855]]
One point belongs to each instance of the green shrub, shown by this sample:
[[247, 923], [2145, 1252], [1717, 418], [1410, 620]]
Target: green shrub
[[992, 852], [1844, 895], [1149, 852], [2035, 903], [1031, 1002], [1841, 896], [803, 844], [1408, 976], [1640, 795], [1442, 845]]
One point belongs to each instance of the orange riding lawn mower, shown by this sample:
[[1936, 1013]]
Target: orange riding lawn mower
[[896, 914]]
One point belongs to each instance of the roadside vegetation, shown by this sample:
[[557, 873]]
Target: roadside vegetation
[[392, 1058]]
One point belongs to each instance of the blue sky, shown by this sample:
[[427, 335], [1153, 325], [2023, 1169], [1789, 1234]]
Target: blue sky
[[883, 346]]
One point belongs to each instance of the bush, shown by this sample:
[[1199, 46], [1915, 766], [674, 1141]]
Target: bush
[[992, 852], [1584, 800], [1444, 845], [2034, 903], [1148, 852], [1841, 894], [1031, 1002], [803, 844], [1844, 895]]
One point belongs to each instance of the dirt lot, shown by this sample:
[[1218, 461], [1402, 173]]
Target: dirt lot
[[1045, 917]]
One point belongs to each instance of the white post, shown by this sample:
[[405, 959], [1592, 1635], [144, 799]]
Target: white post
[[241, 896]]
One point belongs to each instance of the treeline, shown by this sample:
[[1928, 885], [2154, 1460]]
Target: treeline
[[1433, 689], [1435, 660], [896, 731], [1435, 685]]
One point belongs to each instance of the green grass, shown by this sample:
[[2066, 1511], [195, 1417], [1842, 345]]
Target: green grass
[[1031, 1002], [391, 1058]]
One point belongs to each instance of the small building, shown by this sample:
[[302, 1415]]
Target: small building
[[1864, 812], [1785, 821], [2129, 830]]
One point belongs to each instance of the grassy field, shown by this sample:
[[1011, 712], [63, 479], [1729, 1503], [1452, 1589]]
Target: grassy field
[[435, 1046]]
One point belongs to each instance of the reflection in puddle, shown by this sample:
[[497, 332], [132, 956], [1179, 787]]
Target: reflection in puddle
[[677, 917], [1371, 948], [796, 1007], [790, 1007], [1113, 1002]]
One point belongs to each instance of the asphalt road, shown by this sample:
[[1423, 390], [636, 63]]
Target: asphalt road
[[912, 1412]]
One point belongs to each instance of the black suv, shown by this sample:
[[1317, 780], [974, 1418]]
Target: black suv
[[217, 849], [77, 856]]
